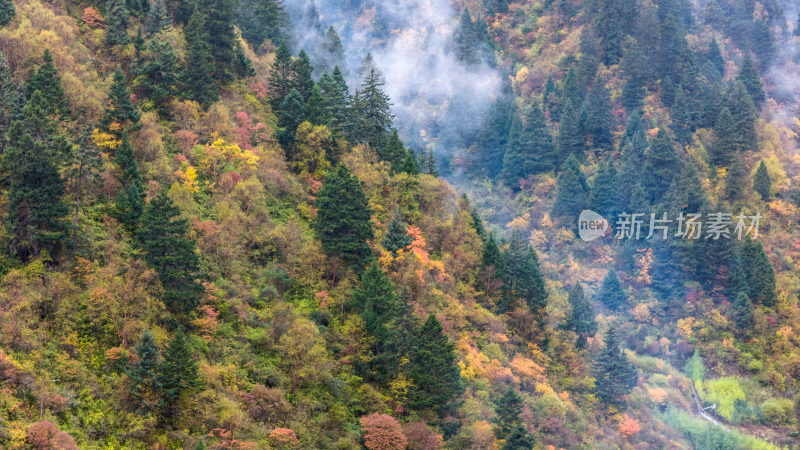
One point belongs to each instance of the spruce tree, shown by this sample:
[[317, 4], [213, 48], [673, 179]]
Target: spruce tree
[[47, 81], [157, 79], [410, 163], [331, 52], [337, 100], [373, 111], [524, 280], [571, 90], [762, 182], [466, 39], [178, 374], [162, 238], [581, 318], [749, 77], [302, 81], [531, 151], [599, 118], [715, 57], [682, 120], [157, 17], [570, 139], [396, 237], [394, 152], [260, 20], [551, 99], [736, 179], [611, 293], [743, 312], [316, 111], [11, 98], [744, 116], [145, 385], [662, 165], [376, 302], [130, 199], [571, 191], [117, 19], [725, 144], [220, 16], [493, 266], [614, 374], [291, 114], [603, 196], [120, 110], [759, 274], [343, 218], [437, 377], [281, 76], [197, 82], [7, 12], [638, 71], [509, 427], [494, 135]]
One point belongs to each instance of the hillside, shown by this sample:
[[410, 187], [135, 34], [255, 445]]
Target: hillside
[[266, 224]]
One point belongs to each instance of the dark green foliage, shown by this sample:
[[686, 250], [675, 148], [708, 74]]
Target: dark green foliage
[[599, 120], [726, 144], [157, 79], [530, 148], [614, 375], [581, 318], [130, 199], [744, 117], [396, 237], [437, 377], [11, 97], [291, 114], [47, 81], [373, 111], [492, 264], [551, 99], [145, 384], [330, 53], [662, 165], [762, 42], [157, 17], [376, 301], [603, 196], [316, 112], [608, 18], [178, 374], [466, 39], [611, 293], [749, 77], [509, 428], [394, 152], [571, 191], [682, 120], [260, 20], [120, 110], [524, 280], [736, 179], [167, 249], [570, 139], [220, 17], [197, 81], [571, 90], [343, 218], [337, 100], [302, 81], [743, 312], [35, 212], [586, 66], [281, 76], [493, 138], [715, 57], [759, 274], [762, 182], [7, 12], [428, 163], [410, 163], [117, 19]]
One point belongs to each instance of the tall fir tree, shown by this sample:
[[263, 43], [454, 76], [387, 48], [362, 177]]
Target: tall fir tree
[[570, 140], [715, 57], [330, 53], [410, 163], [603, 196], [7, 12], [762, 182], [376, 302], [611, 293], [120, 111], [178, 373], [743, 312], [145, 386], [117, 20], [157, 17], [662, 165], [373, 111], [197, 82], [466, 39], [291, 114], [260, 20], [162, 236], [47, 81], [302, 69], [531, 150], [343, 218], [744, 116], [726, 144], [396, 237], [750, 78], [157, 78], [393, 152], [281, 76], [581, 318], [571, 90], [337, 100], [524, 280], [437, 377], [220, 16], [614, 374], [130, 199], [599, 119], [759, 273], [509, 427], [571, 191], [494, 135]]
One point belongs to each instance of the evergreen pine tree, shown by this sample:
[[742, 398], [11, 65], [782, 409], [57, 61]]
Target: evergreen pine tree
[[47, 81], [331, 52], [532, 151], [117, 19], [11, 98], [571, 191], [145, 386], [178, 374], [743, 312], [570, 140], [260, 20], [611, 293], [376, 302], [281, 77], [493, 138], [373, 111], [551, 99], [736, 179], [162, 237], [599, 119], [337, 100], [759, 274], [291, 114], [394, 152], [715, 57], [410, 163], [725, 144], [196, 79], [762, 42], [581, 318], [509, 428], [220, 16], [316, 111], [662, 165], [437, 377], [615, 376], [429, 167], [396, 237], [744, 116], [343, 219], [7, 12], [762, 182], [157, 79], [302, 68], [157, 17], [682, 121], [120, 110], [749, 77], [130, 200], [571, 90], [523, 276], [466, 39], [603, 197]]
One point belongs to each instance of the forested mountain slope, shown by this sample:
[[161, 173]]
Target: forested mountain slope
[[234, 224]]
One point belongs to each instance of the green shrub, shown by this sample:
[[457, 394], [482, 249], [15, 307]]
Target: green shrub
[[777, 410]]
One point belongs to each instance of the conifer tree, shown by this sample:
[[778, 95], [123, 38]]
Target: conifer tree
[[638, 71], [145, 386], [762, 42], [531, 151], [291, 114], [130, 200], [726, 144], [394, 152], [373, 111], [611, 293], [570, 140], [715, 57], [493, 266], [343, 218], [437, 377], [220, 16], [331, 52], [117, 19], [571, 90], [509, 427], [581, 318], [749, 77], [682, 122], [736, 179], [551, 99], [603, 197], [466, 39], [410, 163], [178, 373], [615, 376], [337, 100], [797, 26], [316, 111], [302, 81], [281, 76], [157, 79], [157, 17], [599, 118], [260, 20], [11, 98], [396, 237], [762, 182], [571, 191], [744, 116], [376, 301], [162, 237], [197, 81], [7, 12], [523, 276], [493, 138], [662, 165], [743, 312], [120, 110], [47, 81], [429, 165], [759, 274]]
